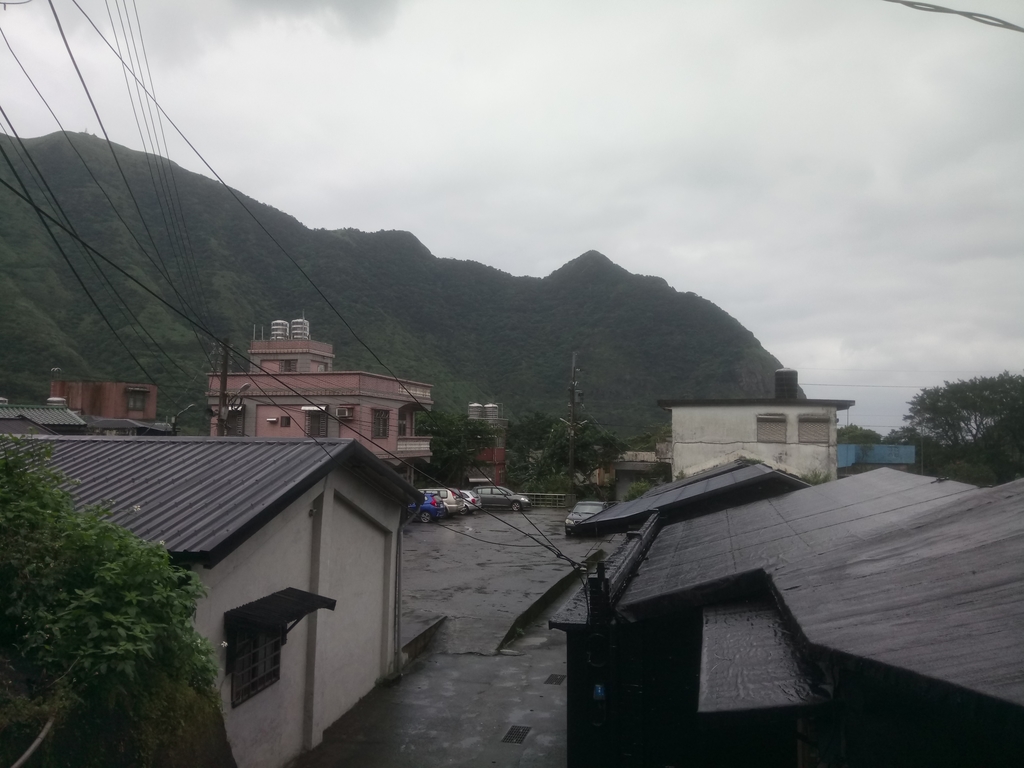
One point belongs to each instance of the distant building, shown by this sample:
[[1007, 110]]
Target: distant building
[[122, 408], [788, 433], [40, 419], [291, 390], [489, 466]]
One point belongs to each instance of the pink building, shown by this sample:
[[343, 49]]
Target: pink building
[[293, 391]]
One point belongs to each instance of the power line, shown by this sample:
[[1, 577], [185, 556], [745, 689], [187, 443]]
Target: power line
[[981, 18]]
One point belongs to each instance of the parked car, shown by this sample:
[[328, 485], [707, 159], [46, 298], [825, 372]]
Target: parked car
[[432, 508], [501, 498], [472, 501], [583, 511], [450, 498]]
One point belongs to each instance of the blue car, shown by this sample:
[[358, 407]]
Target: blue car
[[432, 508]]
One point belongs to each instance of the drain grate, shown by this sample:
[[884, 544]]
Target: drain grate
[[516, 734], [555, 680]]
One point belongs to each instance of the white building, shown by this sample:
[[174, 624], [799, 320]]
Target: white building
[[299, 544], [787, 433]]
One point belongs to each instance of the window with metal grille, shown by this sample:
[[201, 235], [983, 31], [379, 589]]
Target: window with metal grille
[[288, 366], [381, 423], [814, 430], [316, 423], [257, 663], [137, 401], [286, 421], [771, 429]]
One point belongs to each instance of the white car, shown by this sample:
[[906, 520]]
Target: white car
[[472, 501]]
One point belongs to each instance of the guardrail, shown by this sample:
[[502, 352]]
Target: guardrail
[[556, 500]]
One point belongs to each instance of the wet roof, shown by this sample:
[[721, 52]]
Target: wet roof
[[202, 496], [43, 414], [675, 495]]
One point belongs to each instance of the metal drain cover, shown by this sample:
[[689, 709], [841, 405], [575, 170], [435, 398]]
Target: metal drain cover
[[516, 734], [555, 680]]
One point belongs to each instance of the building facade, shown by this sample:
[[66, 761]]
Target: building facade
[[788, 433], [292, 390]]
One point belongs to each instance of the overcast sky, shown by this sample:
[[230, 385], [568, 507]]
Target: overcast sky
[[845, 177]]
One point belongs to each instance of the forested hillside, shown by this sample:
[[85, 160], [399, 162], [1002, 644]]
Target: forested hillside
[[475, 332]]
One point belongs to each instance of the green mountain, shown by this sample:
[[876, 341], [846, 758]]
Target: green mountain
[[476, 333]]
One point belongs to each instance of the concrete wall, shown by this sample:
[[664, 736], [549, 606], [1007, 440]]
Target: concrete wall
[[706, 436], [338, 540]]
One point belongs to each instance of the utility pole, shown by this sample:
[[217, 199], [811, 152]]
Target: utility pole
[[573, 394], [222, 404]]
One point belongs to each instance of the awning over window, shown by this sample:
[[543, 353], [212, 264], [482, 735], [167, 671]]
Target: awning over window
[[278, 610]]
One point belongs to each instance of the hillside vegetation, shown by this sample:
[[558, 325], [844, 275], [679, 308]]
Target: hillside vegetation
[[475, 332]]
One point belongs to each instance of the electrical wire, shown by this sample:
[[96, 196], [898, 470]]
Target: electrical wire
[[981, 18]]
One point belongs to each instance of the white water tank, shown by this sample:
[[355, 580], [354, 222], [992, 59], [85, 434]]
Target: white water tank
[[491, 411], [279, 330], [57, 401], [476, 411], [300, 329]]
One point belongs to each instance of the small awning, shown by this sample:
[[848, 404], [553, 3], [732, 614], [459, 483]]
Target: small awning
[[751, 663], [278, 610]]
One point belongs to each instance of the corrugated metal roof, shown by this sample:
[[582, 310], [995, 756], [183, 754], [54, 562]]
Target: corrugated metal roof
[[202, 496], [675, 495], [19, 425], [43, 414]]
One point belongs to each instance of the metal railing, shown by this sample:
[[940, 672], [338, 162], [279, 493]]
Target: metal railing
[[555, 500]]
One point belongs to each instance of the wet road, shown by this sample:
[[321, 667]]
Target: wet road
[[456, 704]]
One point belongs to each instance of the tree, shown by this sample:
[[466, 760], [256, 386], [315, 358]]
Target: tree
[[977, 427], [97, 626], [852, 434], [455, 441]]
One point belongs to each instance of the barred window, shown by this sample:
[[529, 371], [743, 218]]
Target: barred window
[[381, 423], [286, 421], [771, 429], [137, 401], [288, 366], [257, 663], [316, 424], [814, 430]]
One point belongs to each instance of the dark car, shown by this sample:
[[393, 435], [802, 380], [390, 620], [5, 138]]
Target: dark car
[[495, 496], [583, 510], [432, 508]]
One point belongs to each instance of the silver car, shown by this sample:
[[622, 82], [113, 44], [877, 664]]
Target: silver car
[[452, 500], [501, 498], [584, 510]]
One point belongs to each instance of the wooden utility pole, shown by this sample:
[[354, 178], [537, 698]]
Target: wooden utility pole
[[572, 428], [222, 403]]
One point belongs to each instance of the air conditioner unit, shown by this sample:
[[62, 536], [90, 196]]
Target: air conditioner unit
[[343, 412]]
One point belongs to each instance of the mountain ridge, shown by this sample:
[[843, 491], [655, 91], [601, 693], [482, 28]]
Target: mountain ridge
[[474, 331]]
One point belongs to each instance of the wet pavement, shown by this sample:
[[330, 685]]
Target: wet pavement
[[457, 702]]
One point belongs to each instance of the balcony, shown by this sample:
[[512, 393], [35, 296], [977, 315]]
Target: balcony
[[413, 446]]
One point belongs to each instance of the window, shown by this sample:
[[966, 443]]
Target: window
[[137, 401], [288, 366], [814, 430], [257, 663], [286, 421], [771, 429], [402, 428], [316, 424], [381, 423]]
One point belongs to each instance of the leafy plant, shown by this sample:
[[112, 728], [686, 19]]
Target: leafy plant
[[100, 618]]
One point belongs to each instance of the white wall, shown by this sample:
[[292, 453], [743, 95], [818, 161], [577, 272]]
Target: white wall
[[345, 550], [707, 436]]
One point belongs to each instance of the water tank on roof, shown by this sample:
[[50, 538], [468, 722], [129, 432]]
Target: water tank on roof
[[57, 401], [491, 411], [786, 387], [476, 411], [300, 329], [279, 330]]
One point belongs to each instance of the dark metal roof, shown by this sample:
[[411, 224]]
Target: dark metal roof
[[43, 414], [750, 661], [279, 609], [203, 496], [102, 422], [19, 425], [839, 405], [674, 496]]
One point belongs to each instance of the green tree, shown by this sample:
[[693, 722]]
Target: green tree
[[854, 435], [649, 439], [98, 625], [455, 442], [975, 427]]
